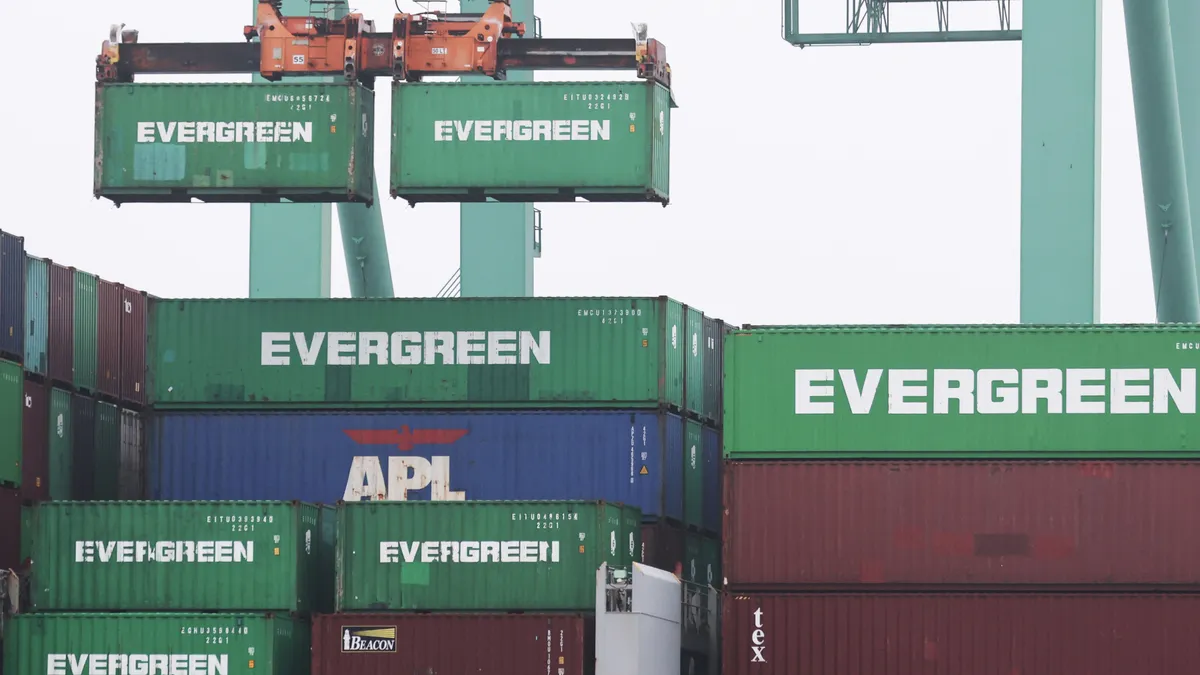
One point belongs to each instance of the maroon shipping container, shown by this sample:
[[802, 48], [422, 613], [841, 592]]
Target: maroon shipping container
[[134, 311], [389, 644], [62, 324], [975, 634], [10, 528], [35, 443], [806, 525], [664, 547], [109, 313]]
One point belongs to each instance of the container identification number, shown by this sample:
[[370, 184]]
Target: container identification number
[[242, 523], [599, 101], [298, 102], [609, 316], [215, 635], [547, 521]]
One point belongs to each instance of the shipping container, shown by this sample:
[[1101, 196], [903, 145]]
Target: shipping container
[[62, 323], [132, 481], [791, 524], [711, 445], [702, 560], [12, 396], [135, 311], [479, 555], [663, 547], [35, 449], [157, 644], [1047, 392], [600, 141], [933, 634], [107, 473], [11, 544], [230, 142], [83, 447], [108, 338], [85, 333], [165, 556], [394, 644], [419, 353], [61, 442], [633, 457], [695, 381], [693, 474], [37, 315], [12, 297], [713, 343]]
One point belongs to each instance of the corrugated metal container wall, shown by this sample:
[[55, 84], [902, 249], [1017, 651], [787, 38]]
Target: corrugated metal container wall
[[83, 446], [702, 560], [663, 547], [134, 316], [693, 474], [326, 456], [977, 523], [12, 396], [714, 368], [390, 644], [225, 556], [132, 483], [694, 372], [107, 474], [61, 441], [62, 323], [473, 352], [11, 543], [35, 449], [85, 331], [962, 392], [305, 143], [108, 338], [37, 315], [911, 634], [543, 555], [12, 296], [711, 443], [612, 141], [185, 644]]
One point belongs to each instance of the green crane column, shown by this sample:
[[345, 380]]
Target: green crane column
[[1160, 146], [496, 240], [365, 246], [1060, 161], [1185, 47]]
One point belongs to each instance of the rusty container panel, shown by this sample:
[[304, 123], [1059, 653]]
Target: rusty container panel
[[35, 442], [944, 633], [62, 323], [134, 304], [108, 337], [12, 297], [663, 547], [391, 644], [37, 314], [985, 523], [11, 553], [131, 480]]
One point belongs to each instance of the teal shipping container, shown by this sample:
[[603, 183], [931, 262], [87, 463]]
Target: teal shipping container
[[12, 409], [37, 314]]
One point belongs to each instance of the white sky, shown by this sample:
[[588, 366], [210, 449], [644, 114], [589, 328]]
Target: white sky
[[826, 185]]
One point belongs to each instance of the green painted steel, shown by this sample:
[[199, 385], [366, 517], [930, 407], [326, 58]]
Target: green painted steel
[[364, 246], [60, 446], [234, 142], [696, 377], [962, 392], [503, 352], [693, 474], [12, 407], [479, 555], [167, 556], [702, 560], [1185, 25], [107, 469], [157, 644], [86, 316], [543, 141]]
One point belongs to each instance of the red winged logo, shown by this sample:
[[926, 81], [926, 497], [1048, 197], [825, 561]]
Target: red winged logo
[[404, 438]]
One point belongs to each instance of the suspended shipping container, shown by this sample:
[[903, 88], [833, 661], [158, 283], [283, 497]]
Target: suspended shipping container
[[479, 555], [132, 479], [83, 447], [223, 556], [61, 441], [12, 397], [107, 472], [134, 314], [11, 551], [962, 392], [931, 634], [12, 296], [108, 338], [324, 456], [389, 644], [35, 449], [62, 323], [419, 353], [37, 315], [531, 141], [85, 331], [157, 644], [227, 142]]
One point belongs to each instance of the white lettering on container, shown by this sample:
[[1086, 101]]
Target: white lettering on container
[[137, 664], [469, 551], [407, 348], [164, 551], [366, 481], [522, 130], [224, 132]]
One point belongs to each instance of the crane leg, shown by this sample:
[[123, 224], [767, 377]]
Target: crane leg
[[1185, 26]]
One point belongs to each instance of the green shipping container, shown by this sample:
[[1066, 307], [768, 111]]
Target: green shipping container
[[480, 555], [962, 392], [696, 377], [235, 142], [693, 474], [531, 141], [173, 556], [12, 409], [702, 560], [61, 452], [156, 644], [107, 473], [419, 353], [86, 312]]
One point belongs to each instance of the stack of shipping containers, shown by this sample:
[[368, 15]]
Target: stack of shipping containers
[[968, 499]]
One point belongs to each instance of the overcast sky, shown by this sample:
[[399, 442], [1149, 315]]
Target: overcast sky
[[826, 185]]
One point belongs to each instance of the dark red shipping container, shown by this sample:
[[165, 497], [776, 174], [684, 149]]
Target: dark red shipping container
[[10, 528], [453, 643], [972, 634], [62, 324], [664, 547], [35, 442], [134, 312], [109, 316], [970, 525]]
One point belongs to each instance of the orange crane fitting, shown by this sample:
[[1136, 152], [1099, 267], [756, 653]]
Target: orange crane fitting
[[297, 45], [435, 43]]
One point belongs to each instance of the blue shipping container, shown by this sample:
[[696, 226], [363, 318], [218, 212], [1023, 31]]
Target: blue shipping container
[[711, 445], [323, 456], [37, 314], [12, 296]]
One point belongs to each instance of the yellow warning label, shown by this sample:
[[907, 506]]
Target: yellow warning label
[[644, 472]]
